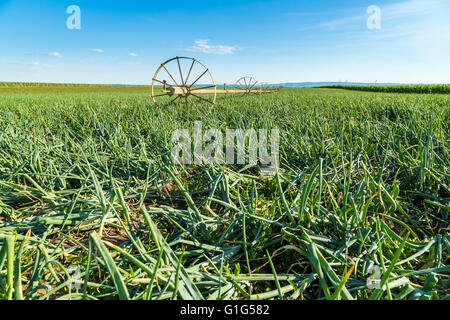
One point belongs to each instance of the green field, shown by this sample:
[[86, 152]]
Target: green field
[[17, 87], [433, 89], [86, 184]]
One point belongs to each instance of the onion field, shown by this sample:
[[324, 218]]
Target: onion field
[[92, 207]]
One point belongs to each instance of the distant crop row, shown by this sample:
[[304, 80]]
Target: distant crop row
[[40, 84], [439, 89], [29, 87]]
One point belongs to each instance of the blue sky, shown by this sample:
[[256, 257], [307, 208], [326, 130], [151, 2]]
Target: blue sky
[[274, 41]]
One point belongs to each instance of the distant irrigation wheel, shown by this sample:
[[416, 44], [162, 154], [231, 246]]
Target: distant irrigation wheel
[[248, 84], [179, 78], [263, 87]]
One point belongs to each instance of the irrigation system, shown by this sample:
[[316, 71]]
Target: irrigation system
[[180, 77]]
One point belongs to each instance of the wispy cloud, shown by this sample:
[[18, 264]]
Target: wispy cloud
[[339, 23], [205, 47], [132, 54], [54, 54], [405, 10], [415, 8], [32, 66], [98, 50]]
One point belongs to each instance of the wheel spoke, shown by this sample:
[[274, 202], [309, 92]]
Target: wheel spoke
[[163, 83], [190, 101], [249, 89], [199, 78], [170, 75], [190, 70], [181, 73], [202, 99], [173, 100]]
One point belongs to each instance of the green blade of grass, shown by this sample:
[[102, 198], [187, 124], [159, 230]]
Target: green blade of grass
[[122, 290]]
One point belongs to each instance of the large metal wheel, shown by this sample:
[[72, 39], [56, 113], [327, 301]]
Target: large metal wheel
[[178, 79], [248, 85]]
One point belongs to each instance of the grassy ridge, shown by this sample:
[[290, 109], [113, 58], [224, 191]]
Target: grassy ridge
[[45, 84], [364, 181], [30, 87], [431, 89]]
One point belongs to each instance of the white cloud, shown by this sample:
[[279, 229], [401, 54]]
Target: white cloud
[[29, 64], [98, 50], [32, 66], [36, 64], [205, 47], [132, 54], [54, 54], [415, 8]]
